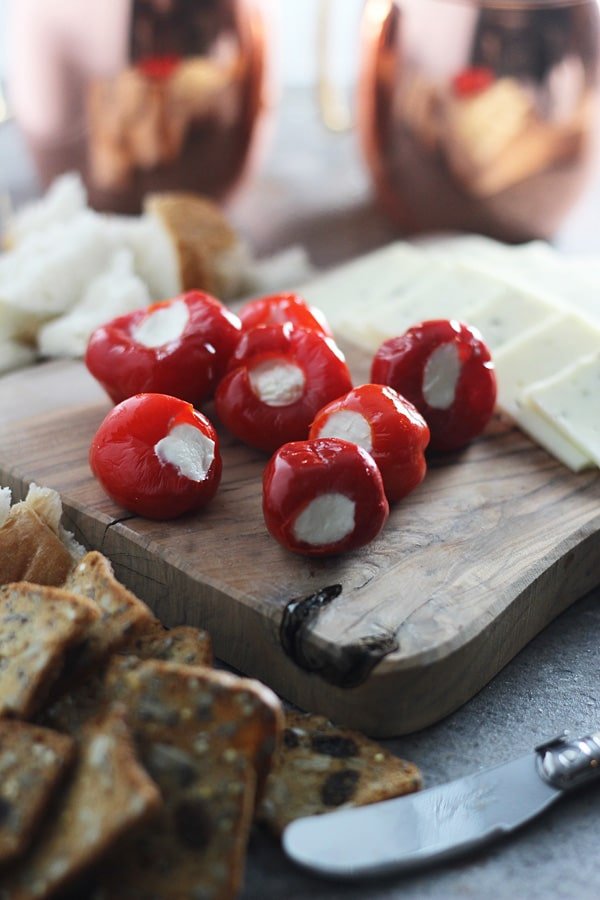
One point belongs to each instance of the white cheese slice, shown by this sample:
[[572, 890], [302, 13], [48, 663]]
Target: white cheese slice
[[375, 278], [162, 326], [541, 352], [277, 382], [325, 520], [349, 425], [571, 401], [538, 354], [189, 450], [509, 314]]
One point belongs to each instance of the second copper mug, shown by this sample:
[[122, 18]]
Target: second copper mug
[[479, 115], [139, 95]]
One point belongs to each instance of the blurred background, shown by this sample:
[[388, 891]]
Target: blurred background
[[363, 118]]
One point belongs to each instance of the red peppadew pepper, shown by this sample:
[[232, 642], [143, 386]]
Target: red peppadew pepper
[[323, 497], [387, 426], [445, 369], [157, 456], [281, 308], [279, 377], [179, 347]]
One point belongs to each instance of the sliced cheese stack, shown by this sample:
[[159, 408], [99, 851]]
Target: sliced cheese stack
[[538, 312]]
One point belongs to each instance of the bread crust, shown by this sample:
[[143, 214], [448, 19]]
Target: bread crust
[[201, 236]]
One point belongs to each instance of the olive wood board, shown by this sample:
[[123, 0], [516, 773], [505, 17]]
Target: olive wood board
[[494, 544]]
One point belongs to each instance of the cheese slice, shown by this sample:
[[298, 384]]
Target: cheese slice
[[538, 354], [571, 401], [372, 279], [508, 315]]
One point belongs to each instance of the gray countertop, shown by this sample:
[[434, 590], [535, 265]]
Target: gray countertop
[[313, 190]]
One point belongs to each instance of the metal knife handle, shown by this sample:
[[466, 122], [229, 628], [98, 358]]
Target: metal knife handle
[[567, 763]]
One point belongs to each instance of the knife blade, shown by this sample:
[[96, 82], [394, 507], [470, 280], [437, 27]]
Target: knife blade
[[444, 821]]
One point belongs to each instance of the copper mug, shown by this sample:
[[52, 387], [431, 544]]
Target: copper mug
[[479, 115], [140, 95]]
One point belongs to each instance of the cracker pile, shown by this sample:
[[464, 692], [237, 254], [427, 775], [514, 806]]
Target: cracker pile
[[129, 767]]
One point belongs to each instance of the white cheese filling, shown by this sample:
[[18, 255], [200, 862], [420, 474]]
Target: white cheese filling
[[440, 376], [277, 383], [326, 520], [349, 426], [163, 326], [189, 450]]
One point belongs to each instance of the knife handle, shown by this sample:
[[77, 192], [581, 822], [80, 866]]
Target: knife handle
[[567, 763]]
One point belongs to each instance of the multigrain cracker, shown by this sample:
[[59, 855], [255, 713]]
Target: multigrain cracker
[[37, 627], [319, 768], [240, 713], [33, 761], [109, 794], [197, 848], [202, 735], [85, 699], [184, 644], [121, 614]]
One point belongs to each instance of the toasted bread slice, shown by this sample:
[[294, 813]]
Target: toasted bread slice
[[320, 767], [203, 735], [121, 614], [109, 795], [33, 761], [38, 625]]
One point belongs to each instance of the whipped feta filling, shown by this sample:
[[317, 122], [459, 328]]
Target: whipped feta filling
[[189, 450], [277, 383], [163, 326], [325, 520], [349, 426], [440, 376]]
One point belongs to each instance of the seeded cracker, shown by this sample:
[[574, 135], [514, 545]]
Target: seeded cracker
[[184, 644], [87, 698], [202, 735], [319, 768], [37, 625], [33, 761], [109, 795], [121, 613]]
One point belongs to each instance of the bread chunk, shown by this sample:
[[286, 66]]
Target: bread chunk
[[30, 550], [38, 625], [319, 768], [33, 761]]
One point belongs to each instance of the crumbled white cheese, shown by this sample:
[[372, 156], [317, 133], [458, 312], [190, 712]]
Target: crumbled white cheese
[[325, 520], [163, 326], [349, 426], [189, 450], [277, 383], [441, 375]]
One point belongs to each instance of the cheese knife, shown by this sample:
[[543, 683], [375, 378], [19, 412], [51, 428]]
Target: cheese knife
[[445, 821]]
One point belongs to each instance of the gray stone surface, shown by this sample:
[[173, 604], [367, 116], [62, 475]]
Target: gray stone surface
[[551, 685]]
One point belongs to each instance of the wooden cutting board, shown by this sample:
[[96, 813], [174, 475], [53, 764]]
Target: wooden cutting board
[[494, 544]]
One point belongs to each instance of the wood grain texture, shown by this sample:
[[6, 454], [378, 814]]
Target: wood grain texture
[[494, 544]]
